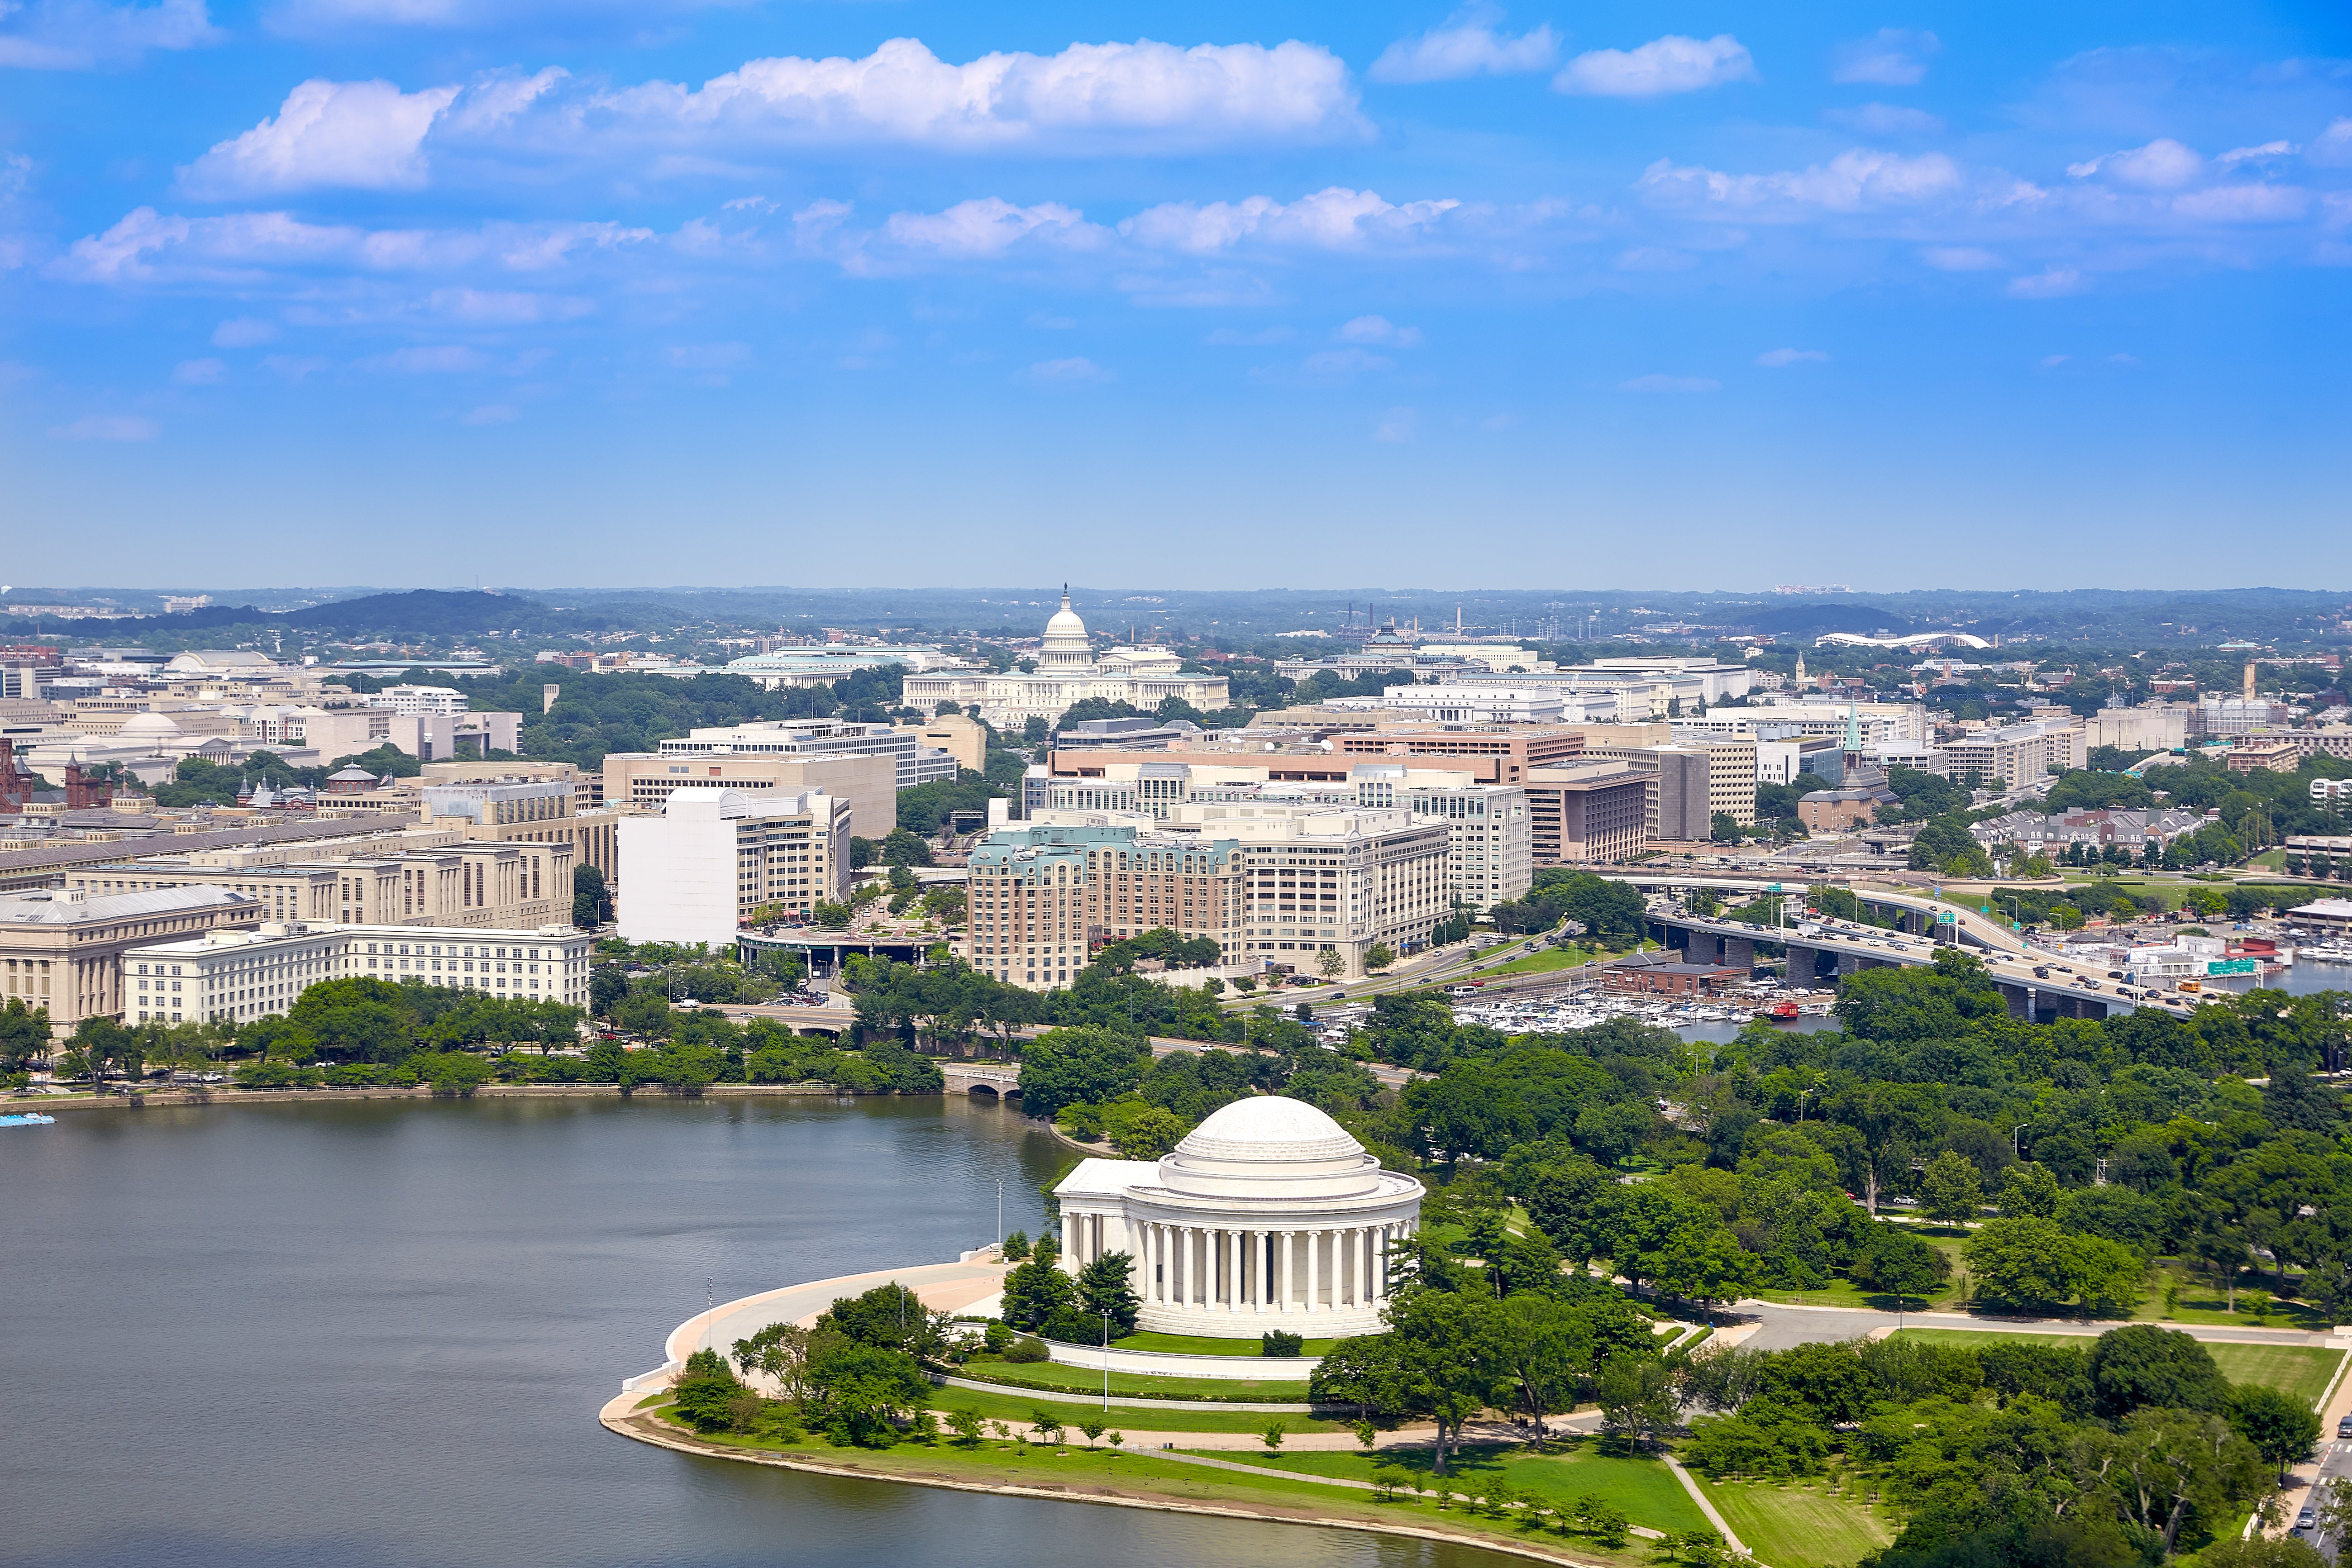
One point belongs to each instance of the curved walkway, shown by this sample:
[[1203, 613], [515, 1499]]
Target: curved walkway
[[1134, 1401]]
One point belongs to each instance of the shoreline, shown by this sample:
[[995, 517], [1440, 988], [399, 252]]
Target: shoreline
[[233, 1096], [620, 1417]]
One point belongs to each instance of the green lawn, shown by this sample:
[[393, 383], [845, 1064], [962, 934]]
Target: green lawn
[[1644, 1489], [1539, 962], [1054, 1374], [1798, 1527], [2301, 1370], [1015, 1409], [2197, 1302], [1194, 1345]]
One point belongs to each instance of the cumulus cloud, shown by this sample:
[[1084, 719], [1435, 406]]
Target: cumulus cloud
[[1341, 364], [107, 427], [1069, 371], [1334, 218], [707, 356], [2268, 152], [989, 227], [1377, 329], [77, 35], [2163, 164], [1851, 182], [507, 308], [2332, 148], [242, 249], [1893, 57], [1467, 45], [200, 373], [1396, 426], [2254, 203], [1141, 96], [1671, 64], [364, 134], [1670, 384], [438, 358], [1781, 359]]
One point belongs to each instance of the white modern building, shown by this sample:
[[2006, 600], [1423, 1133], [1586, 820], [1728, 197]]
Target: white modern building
[[1267, 1215], [417, 700], [1067, 672], [823, 664], [714, 855], [236, 976], [1478, 704]]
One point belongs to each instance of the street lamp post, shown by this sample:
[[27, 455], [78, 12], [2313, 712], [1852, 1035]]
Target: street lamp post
[[2015, 1142]]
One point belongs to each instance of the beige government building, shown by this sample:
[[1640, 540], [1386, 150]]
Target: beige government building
[[1068, 672]]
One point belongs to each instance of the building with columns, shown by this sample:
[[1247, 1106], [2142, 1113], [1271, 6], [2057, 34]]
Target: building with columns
[[1269, 1215]]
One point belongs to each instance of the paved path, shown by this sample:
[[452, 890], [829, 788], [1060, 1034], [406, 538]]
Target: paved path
[[1780, 1324], [1705, 1507], [1085, 1397]]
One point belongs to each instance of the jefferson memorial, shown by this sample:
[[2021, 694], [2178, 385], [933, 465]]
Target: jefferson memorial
[[1269, 1215]]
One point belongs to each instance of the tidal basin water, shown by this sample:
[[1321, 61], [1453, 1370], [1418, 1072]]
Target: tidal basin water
[[377, 1333]]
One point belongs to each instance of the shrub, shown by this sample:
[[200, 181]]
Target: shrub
[[1274, 1342], [1026, 1349]]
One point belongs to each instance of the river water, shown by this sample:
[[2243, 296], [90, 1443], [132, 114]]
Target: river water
[[377, 1333]]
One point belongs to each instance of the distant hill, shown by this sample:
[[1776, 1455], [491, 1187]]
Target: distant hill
[[1817, 620], [427, 612]]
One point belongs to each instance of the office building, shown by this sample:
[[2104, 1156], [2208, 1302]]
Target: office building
[[914, 762], [1492, 753], [1592, 812], [867, 780], [462, 884], [62, 949], [2014, 755], [1042, 897], [713, 857], [236, 976], [417, 700]]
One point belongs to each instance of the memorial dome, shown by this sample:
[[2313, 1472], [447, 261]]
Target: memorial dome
[[148, 726], [1270, 1147]]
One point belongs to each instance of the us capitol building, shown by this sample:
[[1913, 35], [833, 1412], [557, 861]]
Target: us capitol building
[[1067, 672], [1267, 1215]]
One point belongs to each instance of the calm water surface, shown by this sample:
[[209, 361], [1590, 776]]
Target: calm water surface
[[378, 1333]]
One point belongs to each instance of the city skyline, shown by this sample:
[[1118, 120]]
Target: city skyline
[[1624, 298]]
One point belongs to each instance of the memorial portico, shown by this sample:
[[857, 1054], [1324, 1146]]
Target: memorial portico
[[1269, 1215]]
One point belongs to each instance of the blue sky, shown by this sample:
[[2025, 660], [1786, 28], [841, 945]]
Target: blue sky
[[437, 291]]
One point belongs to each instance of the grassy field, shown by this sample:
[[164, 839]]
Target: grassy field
[[1054, 1374], [1798, 1527], [1644, 1489], [1272, 1493], [2301, 1370], [1193, 1344], [1541, 962], [1844, 1292], [1016, 1409]]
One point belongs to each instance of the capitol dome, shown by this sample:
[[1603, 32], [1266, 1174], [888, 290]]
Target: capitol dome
[[1065, 643]]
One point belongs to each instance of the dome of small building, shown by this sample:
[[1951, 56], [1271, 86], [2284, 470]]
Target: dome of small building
[[1269, 1146], [146, 726]]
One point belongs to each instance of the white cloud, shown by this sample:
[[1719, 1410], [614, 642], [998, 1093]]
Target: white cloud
[[1339, 364], [1068, 371], [244, 333], [491, 414], [2332, 148], [989, 227], [2052, 361], [366, 134], [1377, 329], [107, 427], [2254, 203], [1781, 359], [1671, 64], [1895, 56], [1670, 384], [1140, 96], [1396, 426], [1335, 218], [200, 373], [1851, 182], [1467, 45], [76, 35], [1961, 258], [1655, 258], [1886, 120], [506, 308], [2163, 164], [294, 367], [244, 248], [2263, 154], [2056, 283]]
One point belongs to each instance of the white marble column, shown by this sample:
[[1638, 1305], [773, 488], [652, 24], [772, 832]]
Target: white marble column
[[1351, 1270], [1289, 1240], [1314, 1245]]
